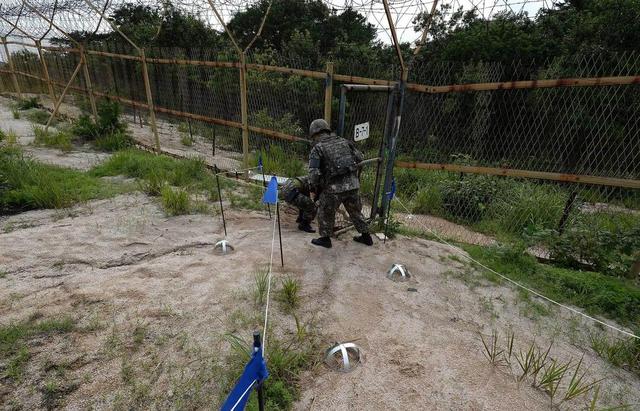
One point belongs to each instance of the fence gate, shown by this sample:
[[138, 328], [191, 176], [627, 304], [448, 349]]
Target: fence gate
[[366, 119]]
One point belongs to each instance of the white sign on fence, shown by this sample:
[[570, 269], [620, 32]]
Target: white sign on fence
[[361, 132]]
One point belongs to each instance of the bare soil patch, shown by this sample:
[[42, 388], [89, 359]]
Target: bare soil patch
[[152, 302]]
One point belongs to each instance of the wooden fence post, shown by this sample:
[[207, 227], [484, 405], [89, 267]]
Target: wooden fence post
[[147, 88], [87, 82], [16, 85], [45, 71], [244, 114], [328, 93]]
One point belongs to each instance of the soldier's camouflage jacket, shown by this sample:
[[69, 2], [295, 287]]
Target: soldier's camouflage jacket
[[329, 150]]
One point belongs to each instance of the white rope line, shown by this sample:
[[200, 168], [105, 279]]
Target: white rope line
[[243, 394], [266, 309], [469, 258]]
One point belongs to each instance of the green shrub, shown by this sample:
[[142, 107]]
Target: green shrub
[[467, 199], [428, 200], [28, 103], [26, 184], [108, 122], [16, 114], [118, 140], [2, 135], [609, 243], [175, 202], [60, 139]]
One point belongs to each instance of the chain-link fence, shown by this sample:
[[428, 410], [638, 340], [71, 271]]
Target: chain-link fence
[[487, 152]]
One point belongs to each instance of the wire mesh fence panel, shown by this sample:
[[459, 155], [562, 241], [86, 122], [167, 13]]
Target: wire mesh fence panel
[[507, 164]]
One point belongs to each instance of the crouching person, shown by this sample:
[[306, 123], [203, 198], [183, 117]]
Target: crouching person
[[297, 192]]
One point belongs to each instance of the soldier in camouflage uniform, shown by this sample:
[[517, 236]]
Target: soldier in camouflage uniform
[[297, 192], [333, 172]]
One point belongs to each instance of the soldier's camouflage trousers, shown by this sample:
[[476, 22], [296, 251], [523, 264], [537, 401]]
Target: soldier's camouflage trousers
[[304, 204], [329, 203]]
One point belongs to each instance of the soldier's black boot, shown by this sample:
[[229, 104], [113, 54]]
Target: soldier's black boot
[[306, 227], [322, 242], [299, 219], [364, 238]]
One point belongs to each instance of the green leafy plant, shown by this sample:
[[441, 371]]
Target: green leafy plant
[[289, 294], [16, 114], [578, 386]]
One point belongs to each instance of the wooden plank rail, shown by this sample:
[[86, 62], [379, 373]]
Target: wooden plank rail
[[509, 172]]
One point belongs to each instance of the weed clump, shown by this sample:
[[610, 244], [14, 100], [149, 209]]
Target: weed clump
[[175, 201], [60, 139], [28, 103]]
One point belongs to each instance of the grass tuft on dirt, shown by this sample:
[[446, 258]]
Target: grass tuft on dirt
[[14, 337], [60, 139], [598, 294], [26, 184]]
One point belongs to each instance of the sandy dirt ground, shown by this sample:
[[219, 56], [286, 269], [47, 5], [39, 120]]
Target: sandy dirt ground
[[122, 264], [151, 302]]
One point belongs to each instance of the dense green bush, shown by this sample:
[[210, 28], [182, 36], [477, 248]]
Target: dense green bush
[[467, 199], [609, 243], [108, 131]]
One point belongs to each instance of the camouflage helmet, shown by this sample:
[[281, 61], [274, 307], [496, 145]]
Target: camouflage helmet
[[318, 126]]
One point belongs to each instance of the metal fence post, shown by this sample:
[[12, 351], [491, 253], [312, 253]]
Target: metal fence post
[[87, 83], [45, 72], [393, 140], [14, 78], [147, 88], [343, 110], [328, 93], [244, 114]]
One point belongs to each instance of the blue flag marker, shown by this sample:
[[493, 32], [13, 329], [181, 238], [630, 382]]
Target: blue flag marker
[[392, 193], [254, 373], [271, 194], [260, 161]]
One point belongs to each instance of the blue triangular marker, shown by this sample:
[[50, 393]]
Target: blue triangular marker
[[392, 193], [254, 373], [271, 194]]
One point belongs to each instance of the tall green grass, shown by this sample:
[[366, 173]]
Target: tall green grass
[[26, 184], [191, 173], [276, 161], [598, 294]]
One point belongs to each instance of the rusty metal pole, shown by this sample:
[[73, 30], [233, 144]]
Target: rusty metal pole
[[57, 104], [45, 72], [147, 88], [328, 93], [87, 82], [14, 78], [244, 113]]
